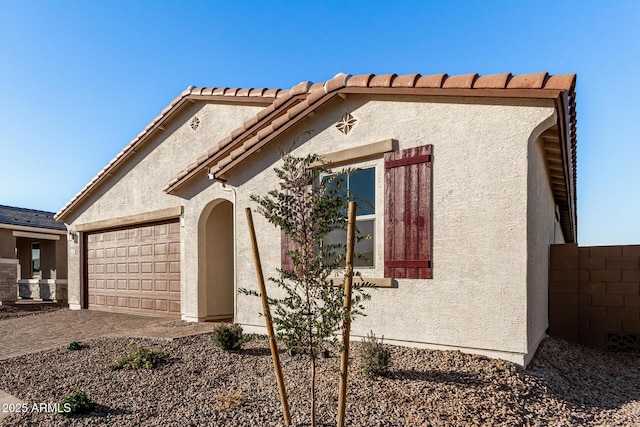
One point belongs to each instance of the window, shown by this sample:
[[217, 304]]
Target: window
[[35, 260], [361, 185], [404, 233]]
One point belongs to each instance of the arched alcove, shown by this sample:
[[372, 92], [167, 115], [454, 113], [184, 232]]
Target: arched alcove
[[216, 261]]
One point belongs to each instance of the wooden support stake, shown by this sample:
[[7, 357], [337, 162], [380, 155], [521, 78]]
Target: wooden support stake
[[267, 316], [346, 326]]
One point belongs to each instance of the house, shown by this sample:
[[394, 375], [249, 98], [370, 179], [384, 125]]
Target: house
[[471, 177], [33, 256]]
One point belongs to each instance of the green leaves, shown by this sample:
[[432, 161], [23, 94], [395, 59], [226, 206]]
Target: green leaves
[[309, 204], [140, 358]]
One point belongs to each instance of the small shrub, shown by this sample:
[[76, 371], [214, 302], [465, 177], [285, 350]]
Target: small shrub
[[230, 401], [375, 357], [76, 404], [141, 357], [74, 346], [229, 337]]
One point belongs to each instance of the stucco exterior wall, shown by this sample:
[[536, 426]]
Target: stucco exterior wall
[[483, 191], [543, 229], [7, 244], [136, 188], [477, 300]]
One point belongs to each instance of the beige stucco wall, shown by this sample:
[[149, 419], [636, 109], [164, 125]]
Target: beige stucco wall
[[136, 188], [477, 300], [543, 229]]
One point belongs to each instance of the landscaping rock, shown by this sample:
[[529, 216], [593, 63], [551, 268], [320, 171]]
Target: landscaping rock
[[199, 384]]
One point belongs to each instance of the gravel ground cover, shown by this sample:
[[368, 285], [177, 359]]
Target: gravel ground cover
[[200, 385], [22, 309]]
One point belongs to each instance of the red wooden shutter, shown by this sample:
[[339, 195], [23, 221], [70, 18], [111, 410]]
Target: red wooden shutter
[[407, 226], [286, 244]]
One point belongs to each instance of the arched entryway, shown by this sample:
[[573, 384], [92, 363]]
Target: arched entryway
[[216, 261]]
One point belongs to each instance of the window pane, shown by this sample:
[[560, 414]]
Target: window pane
[[340, 178], [362, 184], [35, 257], [364, 247]]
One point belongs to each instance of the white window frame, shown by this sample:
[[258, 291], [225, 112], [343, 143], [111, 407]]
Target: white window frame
[[368, 217]]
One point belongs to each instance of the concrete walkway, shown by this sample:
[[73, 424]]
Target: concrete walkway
[[31, 334]]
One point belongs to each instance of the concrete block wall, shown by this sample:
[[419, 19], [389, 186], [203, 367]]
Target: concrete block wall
[[594, 295]]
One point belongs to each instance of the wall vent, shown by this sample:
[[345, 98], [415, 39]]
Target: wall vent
[[617, 341]]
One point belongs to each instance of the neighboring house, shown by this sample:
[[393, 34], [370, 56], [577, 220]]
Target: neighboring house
[[471, 179], [33, 256]]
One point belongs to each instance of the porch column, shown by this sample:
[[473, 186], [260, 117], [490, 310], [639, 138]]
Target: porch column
[[8, 281]]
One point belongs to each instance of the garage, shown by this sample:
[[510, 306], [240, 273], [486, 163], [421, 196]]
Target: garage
[[134, 270]]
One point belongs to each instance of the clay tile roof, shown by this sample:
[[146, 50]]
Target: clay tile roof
[[432, 81], [224, 142], [279, 101], [361, 80], [271, 93], [302, 87], [338, 82], [461, 81], [407, 80], [315, 96], [492, 81], [317, 87], [297, 109], [286, 106], [236, 153], [528, 81], [562, 82], [265, 112], [280, 121], [257, 92], [250, 142], [384, 80]]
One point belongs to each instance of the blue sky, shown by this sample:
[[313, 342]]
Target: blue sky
[[80, 79]]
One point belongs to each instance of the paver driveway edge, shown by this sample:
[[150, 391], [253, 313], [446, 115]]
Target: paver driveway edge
[[32, 334]]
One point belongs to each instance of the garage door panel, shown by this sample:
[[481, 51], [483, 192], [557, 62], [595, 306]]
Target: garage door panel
[[135, 270]]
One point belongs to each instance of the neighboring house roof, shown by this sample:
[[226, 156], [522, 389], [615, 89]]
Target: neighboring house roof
[[29, 218], [287, 107]]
